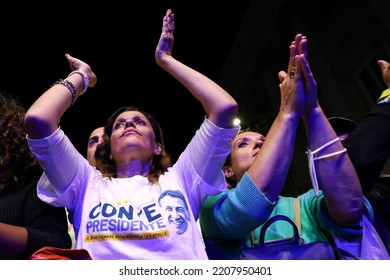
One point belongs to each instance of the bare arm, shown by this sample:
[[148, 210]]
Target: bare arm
[[270, 168], [220, 107], [44, 116], [13, 241], [336, 175]]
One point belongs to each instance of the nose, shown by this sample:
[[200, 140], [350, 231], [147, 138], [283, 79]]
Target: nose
[[129, 123]]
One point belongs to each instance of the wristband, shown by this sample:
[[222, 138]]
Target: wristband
[[85, 79], [70, 87]]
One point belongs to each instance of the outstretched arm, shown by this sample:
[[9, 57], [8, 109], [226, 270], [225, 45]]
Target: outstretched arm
[[244, 208], [336, 174], [220, 107], [270, 168], [44, 116]]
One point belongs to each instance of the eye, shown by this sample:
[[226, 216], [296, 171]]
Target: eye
[[140, 122], [93, 141], [119, 125], [242, 144]]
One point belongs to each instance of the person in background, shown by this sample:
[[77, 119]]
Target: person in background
[[26, 223], [379, 194], [257, 168], [367, 143], [115, 206], [96, 138]]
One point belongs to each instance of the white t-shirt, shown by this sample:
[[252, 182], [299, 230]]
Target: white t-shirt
[[128, 218]]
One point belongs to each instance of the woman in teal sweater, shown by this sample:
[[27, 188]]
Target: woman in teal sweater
[[259, 168]]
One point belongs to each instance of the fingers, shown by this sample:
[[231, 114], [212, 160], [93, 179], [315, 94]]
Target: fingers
[[169, 22], [291, 66], [72, 62], [385, 69], [310, 83], [384, 65], [298, 46], [299, 50], [304, 65], [303, 46], [297, 40]]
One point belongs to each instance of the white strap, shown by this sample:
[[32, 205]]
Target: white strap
[[311, 159]]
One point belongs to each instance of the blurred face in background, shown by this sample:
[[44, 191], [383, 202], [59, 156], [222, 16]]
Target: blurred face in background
[[95, 139]]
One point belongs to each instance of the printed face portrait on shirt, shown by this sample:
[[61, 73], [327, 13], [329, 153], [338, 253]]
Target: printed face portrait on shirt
[[176, 209]]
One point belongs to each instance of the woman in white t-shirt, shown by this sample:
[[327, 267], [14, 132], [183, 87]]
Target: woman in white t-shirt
[[119, 209]]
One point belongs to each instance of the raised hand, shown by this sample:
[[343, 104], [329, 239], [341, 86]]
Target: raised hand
[[165, 44], [292, 86], [77, 64], [309, 83]]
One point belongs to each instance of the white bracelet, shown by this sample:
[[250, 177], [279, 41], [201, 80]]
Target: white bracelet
[[311, 158], [85, 79]]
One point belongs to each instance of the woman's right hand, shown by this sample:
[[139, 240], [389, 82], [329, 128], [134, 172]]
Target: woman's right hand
[[77, 64], [292, 86], [165, 43]]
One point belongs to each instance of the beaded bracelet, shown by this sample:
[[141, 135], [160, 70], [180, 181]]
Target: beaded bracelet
[[70, 87], [85, 79], [311, 158]]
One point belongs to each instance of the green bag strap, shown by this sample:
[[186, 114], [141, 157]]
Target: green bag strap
[[297, 213]]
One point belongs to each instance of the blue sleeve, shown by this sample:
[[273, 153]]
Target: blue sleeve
[[234, 213]]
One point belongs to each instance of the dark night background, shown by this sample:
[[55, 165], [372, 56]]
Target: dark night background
[[240, 44], [119, 43]]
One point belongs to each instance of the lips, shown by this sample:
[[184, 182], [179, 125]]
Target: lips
[[130, 132]]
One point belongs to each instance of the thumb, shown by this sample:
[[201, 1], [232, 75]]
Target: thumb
[[282, 75], [383, 65]]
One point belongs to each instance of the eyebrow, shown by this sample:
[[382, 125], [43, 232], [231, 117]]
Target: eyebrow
[[241, 139], [262, 137], [134, 118]]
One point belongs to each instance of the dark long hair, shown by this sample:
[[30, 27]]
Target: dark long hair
[[160, 163], [17, 164]]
